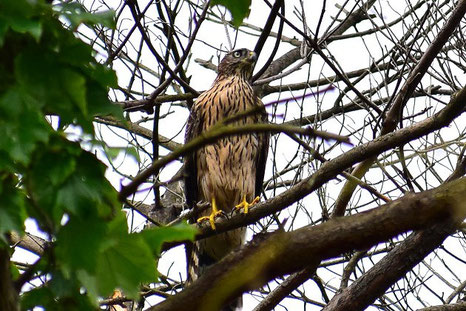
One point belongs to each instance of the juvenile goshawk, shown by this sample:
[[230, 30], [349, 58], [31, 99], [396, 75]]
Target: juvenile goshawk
[[228, 173]]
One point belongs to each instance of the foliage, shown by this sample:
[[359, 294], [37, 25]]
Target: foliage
[[356, 68], [45, 70], [389, 75], [239, 9]]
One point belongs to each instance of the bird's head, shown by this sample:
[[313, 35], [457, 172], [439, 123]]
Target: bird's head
[[238, 62]]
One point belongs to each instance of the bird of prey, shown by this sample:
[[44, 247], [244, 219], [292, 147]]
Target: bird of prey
[[228, 173]]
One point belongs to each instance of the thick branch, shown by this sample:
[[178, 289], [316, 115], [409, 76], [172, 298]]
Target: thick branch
[[271, 256], [8, 294], [29, 242], [332, 168], [399, 262], [460, 306]]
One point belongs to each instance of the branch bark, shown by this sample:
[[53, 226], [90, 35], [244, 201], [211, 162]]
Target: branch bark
[[273, 255], [332, 168], [8, 294], [328, 170], [29, 242], [399, 262], [460, 306]]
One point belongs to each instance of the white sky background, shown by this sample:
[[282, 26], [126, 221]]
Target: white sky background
[[351, 54]]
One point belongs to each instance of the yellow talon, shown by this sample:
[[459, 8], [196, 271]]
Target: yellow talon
[[211, 217], [246, 205]]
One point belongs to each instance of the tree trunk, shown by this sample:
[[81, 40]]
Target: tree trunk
[[8, 294]]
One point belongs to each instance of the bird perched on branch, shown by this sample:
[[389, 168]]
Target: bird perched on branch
[[229, 172]]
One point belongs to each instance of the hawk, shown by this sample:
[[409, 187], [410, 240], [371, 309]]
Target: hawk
[[228, 173]]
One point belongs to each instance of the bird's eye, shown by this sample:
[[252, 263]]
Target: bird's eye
[[236, 54]]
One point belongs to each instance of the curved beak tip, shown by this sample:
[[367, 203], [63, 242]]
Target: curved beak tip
[[252, 56]]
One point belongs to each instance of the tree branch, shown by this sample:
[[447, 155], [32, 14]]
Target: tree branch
[[332, 168], [394, 113], [29, 242], [399, 262], [211, 136], [165, 142], [8, 294], [273, 255], [460, 306]]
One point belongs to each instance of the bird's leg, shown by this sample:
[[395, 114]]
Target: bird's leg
[[211, 217], [246, 205]]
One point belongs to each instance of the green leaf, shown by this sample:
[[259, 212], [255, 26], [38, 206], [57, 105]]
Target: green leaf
[[77, 14], [53, 166], [61, 285], [22, 126], [39, 296], [155, 237], [114, 152], [75, 52], [87, 191], [33, 27], [14, 271], [58, 294], [79, 243], [239, 9], [75, 94], [40, 75], [75, 86], [105, 76], [45, 69], [104, 18], [132, 151], [56, 163], [89, 281], [19, 16], [66, 179], [99, 104], [128, 259], [126, 263], [12, 207]]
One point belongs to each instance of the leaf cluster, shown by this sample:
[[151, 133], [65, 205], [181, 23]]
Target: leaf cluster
[[50, 81], [239, 9]]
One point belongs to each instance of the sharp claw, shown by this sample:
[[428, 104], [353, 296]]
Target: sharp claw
[[211, 217], [215, 212], [246, 205]]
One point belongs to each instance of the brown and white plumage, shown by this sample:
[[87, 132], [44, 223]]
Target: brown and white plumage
[[231, 168]]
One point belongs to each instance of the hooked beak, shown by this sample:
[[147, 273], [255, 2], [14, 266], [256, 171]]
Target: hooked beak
[[252, 56]]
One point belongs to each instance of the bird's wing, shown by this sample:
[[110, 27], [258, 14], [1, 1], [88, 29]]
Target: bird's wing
[[193, 129], [263, 152]]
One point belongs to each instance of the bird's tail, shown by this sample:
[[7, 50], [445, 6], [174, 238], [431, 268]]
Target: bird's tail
[[198, 261], [235, 305], [203, 254]]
